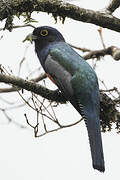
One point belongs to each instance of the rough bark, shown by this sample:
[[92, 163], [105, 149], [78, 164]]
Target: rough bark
[[10, 8], [33, 87]]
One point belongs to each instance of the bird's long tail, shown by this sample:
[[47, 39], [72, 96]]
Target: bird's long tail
[[93, 126]]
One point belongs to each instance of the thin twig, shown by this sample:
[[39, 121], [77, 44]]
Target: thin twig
[[26, 102], [101, 37], [10, 120], [79, 48], [20, 26], [49, 131]]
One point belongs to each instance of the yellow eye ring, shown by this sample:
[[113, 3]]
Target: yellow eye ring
[[44, 32]]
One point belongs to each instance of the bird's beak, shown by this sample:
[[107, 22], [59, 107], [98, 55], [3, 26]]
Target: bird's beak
[[30, 37]]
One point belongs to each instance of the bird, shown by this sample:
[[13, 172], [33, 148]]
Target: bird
[[76, 79]]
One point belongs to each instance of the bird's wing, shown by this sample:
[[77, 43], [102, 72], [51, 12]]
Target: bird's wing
[[61, 64], [60, 76]]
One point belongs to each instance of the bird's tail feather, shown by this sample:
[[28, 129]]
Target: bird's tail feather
[[93, 126]]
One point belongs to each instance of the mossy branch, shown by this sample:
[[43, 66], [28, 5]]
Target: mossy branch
[[58, 8], [33, 87]]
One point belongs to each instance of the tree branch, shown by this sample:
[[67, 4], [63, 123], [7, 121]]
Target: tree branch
[[113, 5], [20, 26], [112, 50], [13, 89], [79, 48], [34, 87], [58, 8], [108, 112]]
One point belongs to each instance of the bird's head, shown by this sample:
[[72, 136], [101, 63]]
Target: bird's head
[[44, 35]]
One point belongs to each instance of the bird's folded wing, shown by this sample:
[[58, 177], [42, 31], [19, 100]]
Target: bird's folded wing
[[61, 77]]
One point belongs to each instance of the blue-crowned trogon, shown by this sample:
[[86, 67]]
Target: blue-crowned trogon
[[75, 79]]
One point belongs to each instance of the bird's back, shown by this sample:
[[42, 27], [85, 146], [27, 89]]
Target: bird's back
[[85, 96]]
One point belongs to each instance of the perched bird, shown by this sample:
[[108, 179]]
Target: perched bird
[[75, 79]]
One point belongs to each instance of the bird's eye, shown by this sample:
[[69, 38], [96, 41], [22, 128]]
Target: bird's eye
[[44, 32]]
